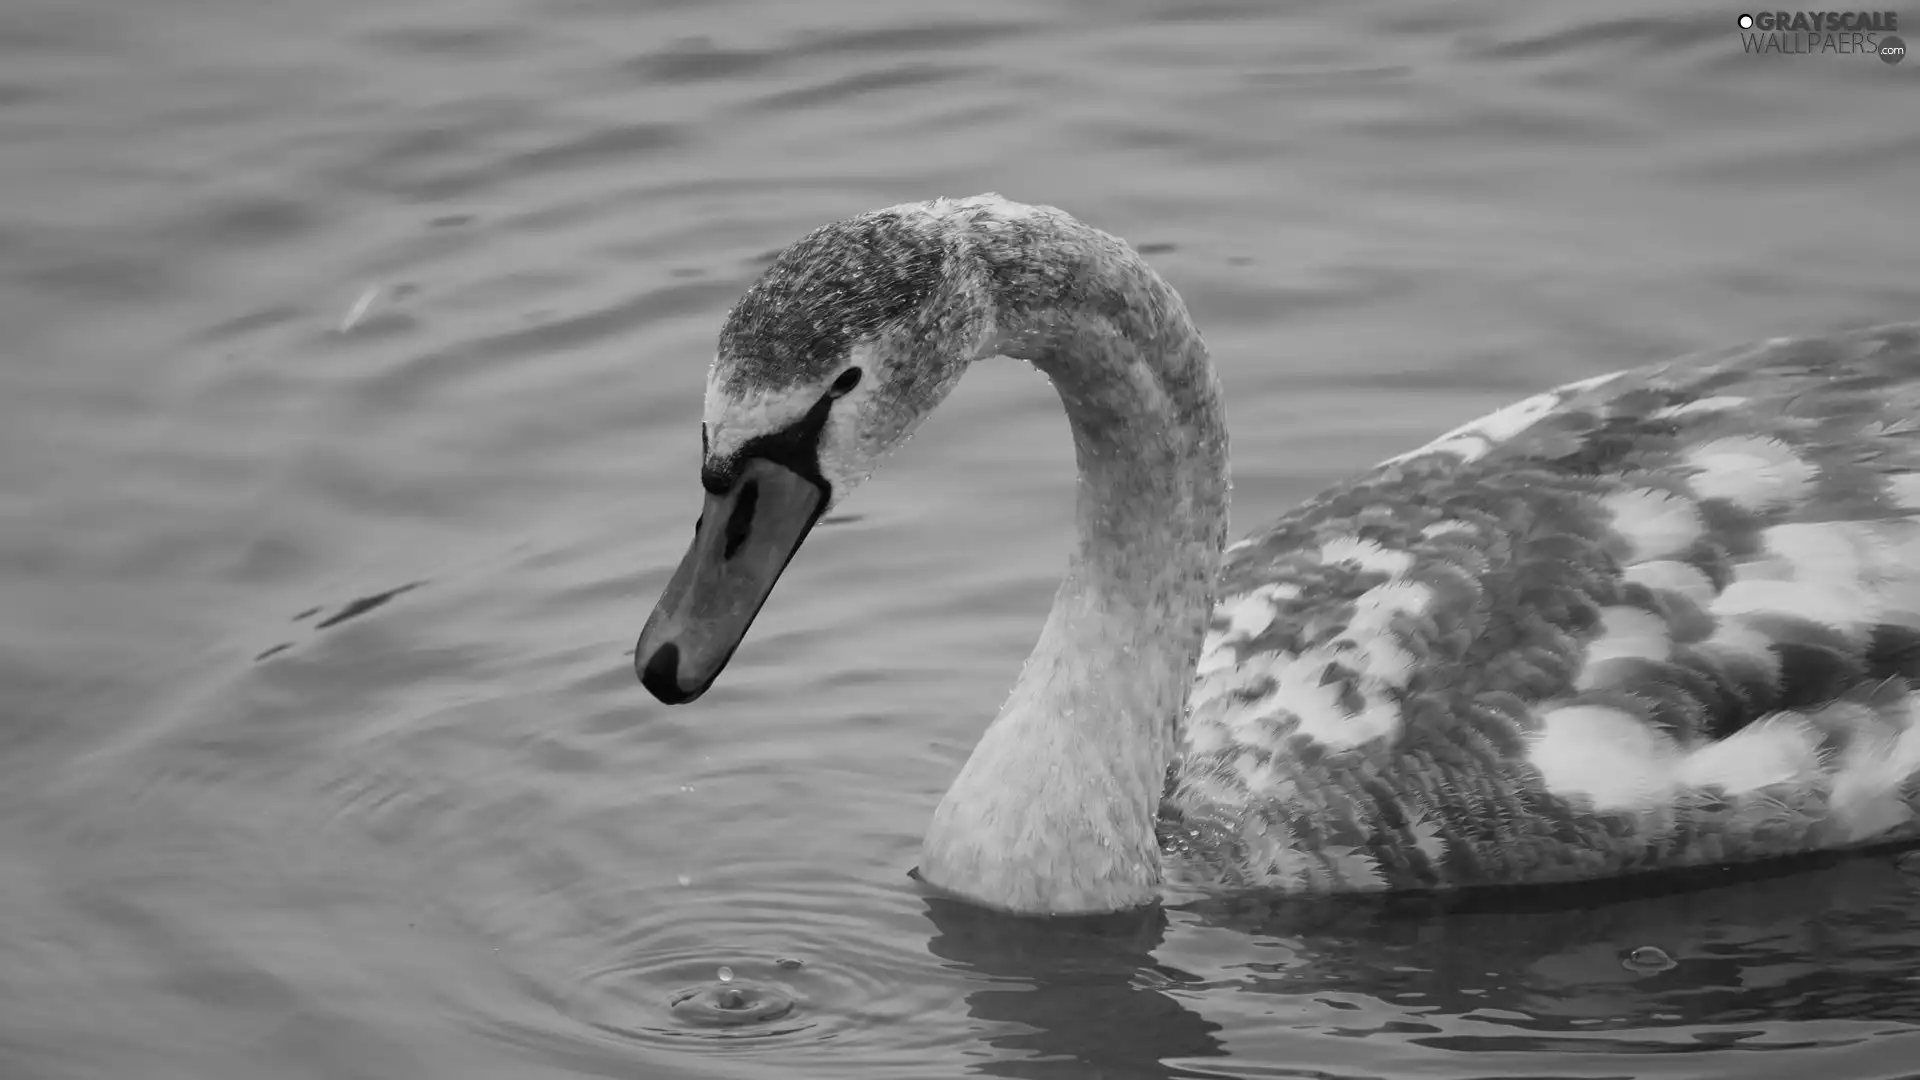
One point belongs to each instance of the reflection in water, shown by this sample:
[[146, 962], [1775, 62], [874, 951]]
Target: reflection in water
[[1795, 961], [1755, 959], [1087, 991]]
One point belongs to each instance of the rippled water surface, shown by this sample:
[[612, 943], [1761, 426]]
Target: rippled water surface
[[348, 429]]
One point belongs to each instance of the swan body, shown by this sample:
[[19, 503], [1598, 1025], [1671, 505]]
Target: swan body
[[1662, 618]]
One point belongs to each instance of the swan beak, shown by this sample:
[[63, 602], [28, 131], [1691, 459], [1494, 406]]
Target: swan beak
[[743, 542]]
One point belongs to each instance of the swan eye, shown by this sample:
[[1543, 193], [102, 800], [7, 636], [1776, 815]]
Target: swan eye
[[848, 379]]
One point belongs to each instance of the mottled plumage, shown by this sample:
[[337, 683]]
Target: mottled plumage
[[1664, 618]]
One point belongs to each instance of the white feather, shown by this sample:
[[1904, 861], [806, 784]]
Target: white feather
[[1655, 524], [1607, 758]]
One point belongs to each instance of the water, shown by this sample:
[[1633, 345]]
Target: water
[[348, 413]]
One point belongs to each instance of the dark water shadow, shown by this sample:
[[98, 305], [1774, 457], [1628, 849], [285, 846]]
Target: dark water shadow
[[1559, 971], [1749, 962], [1088, 988]]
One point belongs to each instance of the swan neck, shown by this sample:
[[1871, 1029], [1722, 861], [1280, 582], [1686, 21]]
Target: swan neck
[[1055, 811]]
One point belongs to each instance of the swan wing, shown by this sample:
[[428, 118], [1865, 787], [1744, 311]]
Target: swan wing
[[1663, 618]]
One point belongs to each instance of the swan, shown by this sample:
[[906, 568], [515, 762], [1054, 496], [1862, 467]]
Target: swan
[[1659, 619]]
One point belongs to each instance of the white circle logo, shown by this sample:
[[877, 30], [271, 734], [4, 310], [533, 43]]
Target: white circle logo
[[1746, 22]]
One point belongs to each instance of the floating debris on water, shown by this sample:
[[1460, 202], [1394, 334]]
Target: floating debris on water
[[1648, 960], [352, 609], [359, 309], [355, 608]]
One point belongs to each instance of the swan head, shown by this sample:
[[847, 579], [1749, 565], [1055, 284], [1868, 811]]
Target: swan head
[[829, 361]]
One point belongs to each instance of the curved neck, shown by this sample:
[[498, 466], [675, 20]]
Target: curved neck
[[1056, 808]]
